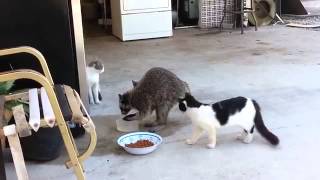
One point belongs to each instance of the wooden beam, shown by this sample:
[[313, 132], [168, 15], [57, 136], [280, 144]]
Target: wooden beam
[[2, 140], [21, 121], [16, 151], [2, 101], [77, 115], [19, 95], [2, 168]]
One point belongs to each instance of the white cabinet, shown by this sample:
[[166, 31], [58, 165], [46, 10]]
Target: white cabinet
[[136, 6], [141, 19]]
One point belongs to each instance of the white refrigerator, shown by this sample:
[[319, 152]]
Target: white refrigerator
[[141, 19]]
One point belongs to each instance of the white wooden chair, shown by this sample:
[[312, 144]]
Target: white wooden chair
[[58, 102]]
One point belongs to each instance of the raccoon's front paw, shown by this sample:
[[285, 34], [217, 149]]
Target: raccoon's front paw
[[211, 146], [189, 141], [150, 124], [156, 128]]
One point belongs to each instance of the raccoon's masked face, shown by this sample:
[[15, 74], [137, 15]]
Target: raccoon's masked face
[[124, 104]]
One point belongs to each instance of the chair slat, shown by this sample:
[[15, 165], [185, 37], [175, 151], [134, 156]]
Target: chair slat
[[63, 102], [21, 121], [77, 115], [48, 114], [34, 109]]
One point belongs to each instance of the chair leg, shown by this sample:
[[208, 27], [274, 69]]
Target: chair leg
[[16, 151], [66, 135], [235, 16], [71, 149], [2, 168], [254, 18], [242, 14], [255, 21], [224, 14], [2, 139]]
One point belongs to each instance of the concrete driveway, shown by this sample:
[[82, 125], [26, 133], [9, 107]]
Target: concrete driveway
[[277, 66]]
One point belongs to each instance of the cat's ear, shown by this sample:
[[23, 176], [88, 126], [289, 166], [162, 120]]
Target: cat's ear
[[120, 96], [134, 83], [92, 64]]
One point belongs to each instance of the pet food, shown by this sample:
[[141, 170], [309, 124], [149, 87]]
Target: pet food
[[140, 144]]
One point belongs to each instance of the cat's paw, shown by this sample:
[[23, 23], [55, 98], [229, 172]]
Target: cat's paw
[[98, 102], [240, 137], [211, 146], [247, 140], [189, 142], [91, 102]]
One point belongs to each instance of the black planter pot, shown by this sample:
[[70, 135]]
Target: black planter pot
[[44, 145]]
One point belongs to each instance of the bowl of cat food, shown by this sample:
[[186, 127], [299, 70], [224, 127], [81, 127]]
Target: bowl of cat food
[[140, 143]]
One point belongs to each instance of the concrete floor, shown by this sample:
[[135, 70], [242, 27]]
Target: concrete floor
[[277, 66], [312, 6]]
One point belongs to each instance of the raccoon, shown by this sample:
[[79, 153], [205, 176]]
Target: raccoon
[[158, 90]]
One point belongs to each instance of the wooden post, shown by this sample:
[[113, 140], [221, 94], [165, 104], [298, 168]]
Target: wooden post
[[2, 168], [16, 151], [21, 122], [2, 102], [2, 140]]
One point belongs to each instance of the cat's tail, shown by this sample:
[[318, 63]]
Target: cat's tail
[[263, 130]]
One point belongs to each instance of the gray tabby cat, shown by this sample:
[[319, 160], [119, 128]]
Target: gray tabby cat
[[159, 90], [94, 69]]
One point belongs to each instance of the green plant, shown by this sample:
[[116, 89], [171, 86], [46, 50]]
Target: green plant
[[5, 87]]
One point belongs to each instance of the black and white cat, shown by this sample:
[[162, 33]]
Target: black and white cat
[[239, 111], [94, 69]]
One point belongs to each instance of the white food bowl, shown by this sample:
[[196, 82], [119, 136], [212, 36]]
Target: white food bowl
[[134, 137], [128, 126]]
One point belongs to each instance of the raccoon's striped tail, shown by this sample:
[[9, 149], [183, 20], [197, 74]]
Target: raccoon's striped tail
[[262, 129]]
